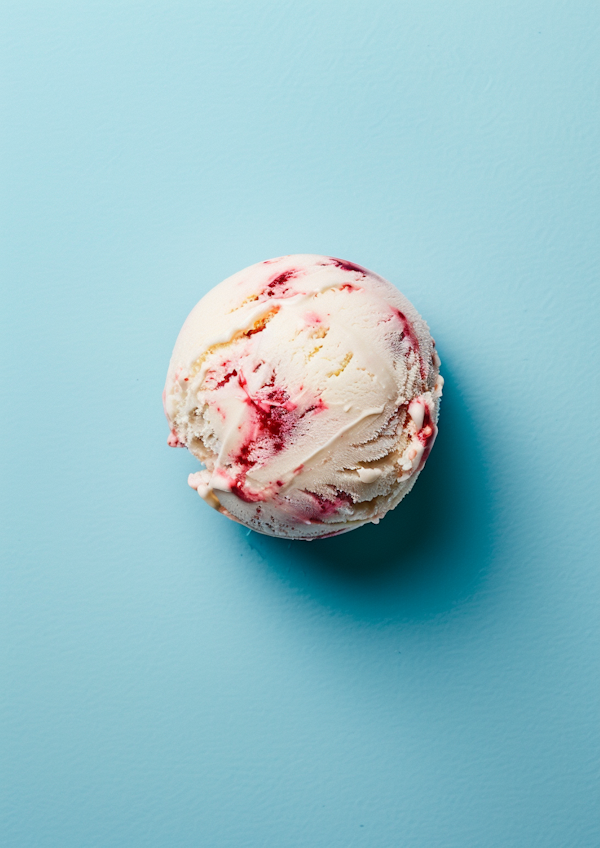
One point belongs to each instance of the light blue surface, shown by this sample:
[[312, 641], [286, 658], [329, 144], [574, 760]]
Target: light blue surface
[[169, 680]]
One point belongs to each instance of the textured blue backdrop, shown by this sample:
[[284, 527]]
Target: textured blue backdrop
[[170, 680]]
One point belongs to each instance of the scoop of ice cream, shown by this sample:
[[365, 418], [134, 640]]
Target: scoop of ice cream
[[309, 388]]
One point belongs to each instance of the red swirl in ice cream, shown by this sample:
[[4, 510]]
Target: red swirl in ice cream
[[309, 388]]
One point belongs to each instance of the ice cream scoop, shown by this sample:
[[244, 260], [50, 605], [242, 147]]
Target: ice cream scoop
[[309, 388]]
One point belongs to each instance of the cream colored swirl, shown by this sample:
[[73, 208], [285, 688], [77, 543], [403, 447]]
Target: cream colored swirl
[[302, 400]]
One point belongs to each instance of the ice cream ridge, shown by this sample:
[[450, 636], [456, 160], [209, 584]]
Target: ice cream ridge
[[309, 389]]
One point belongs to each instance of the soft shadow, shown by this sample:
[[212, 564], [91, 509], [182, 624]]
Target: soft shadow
[[425, 557]]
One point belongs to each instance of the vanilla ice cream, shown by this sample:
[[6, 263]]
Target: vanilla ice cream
[[309, 389]]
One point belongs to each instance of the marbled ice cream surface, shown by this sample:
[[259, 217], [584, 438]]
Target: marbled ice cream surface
[[309, 388]]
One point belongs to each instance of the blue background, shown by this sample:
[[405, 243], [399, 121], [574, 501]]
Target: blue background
[[169, 679]]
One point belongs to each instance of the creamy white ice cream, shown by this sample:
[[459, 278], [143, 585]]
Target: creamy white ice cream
[[309, 388]]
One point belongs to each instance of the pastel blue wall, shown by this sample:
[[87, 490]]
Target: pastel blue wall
[[170, 680]]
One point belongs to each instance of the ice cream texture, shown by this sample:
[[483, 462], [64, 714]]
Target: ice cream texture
[[309, 388]]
